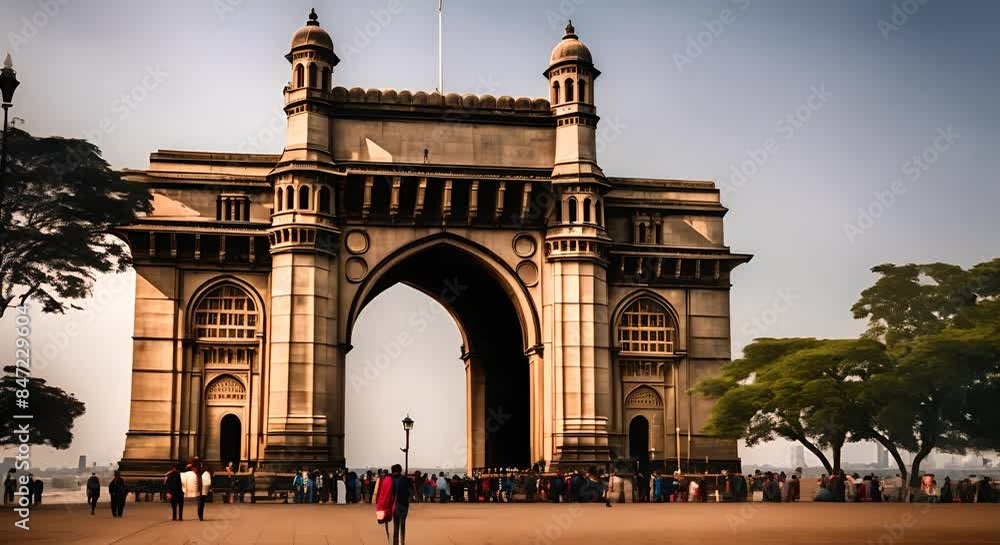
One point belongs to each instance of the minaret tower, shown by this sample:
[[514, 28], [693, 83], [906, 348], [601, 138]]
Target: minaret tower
[[576, 248], [304, 414]]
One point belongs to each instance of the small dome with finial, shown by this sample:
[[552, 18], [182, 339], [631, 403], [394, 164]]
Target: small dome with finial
[[312, 34], [571, 48]]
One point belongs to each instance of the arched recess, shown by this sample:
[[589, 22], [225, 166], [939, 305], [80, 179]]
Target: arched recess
[[499, 326], [221, 342]]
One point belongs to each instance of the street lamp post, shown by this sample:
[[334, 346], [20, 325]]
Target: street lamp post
[[8, 83], [407, 426]]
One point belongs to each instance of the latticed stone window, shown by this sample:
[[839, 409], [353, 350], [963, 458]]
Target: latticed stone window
[[646, 328], [644, 397], [227, 312]]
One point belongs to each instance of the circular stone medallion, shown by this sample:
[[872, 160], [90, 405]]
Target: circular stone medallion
[[524, 245], [356, 242], [528, 273], [356, 269]]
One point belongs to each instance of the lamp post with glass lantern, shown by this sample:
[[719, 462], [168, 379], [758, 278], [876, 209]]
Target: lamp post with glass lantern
[[8, 83], [407, 426]]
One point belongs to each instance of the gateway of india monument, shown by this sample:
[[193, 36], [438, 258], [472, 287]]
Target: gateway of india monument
[[588, 305]]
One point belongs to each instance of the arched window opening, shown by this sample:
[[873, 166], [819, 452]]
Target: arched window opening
[[645, 327], [226, 312], [304, 197], [582, 90], [279, 200], [555, 92], [569, 90], [299, 77], [325, 84], [571, 203], [599, 211], [312, 75], [642, 233], [586, 210], [290, 198], [323, 200]]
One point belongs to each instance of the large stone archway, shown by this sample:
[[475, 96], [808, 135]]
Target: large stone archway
[[498, 323], [579, 288]]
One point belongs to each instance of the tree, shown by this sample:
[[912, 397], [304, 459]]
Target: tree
[[940, 323], [802, 389], [60, 205], [53, 411]]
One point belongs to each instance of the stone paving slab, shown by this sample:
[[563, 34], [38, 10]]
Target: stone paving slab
[[535, 524]]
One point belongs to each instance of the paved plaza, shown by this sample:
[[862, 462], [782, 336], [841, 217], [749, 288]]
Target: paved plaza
[[543, 524]]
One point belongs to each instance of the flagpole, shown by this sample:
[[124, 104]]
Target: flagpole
[[440, 47]]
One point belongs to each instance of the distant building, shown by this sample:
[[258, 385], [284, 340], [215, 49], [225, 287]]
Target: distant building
[[83, 463], [881, 456], [796, 456]]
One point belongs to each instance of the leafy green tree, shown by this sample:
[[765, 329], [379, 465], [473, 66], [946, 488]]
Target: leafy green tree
[[940, 323], [60, 204], [801, 389], [53, 411]]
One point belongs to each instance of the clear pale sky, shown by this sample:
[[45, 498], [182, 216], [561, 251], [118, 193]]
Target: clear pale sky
[[213, 81]]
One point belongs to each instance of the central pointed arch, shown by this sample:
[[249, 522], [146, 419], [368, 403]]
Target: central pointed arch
[[506, 278]]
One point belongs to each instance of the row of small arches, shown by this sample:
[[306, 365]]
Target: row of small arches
[[285, 199], [566, 92], [577, 211], [312, 77]]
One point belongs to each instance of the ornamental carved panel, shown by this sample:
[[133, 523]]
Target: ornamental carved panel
[[226, 388], [644, 397]]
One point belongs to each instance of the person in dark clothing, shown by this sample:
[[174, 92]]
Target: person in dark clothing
[[9, 484], [93, 491], [116, 489], [772, 493], [984, 492], [175, 492], [946, 491], [37, 488], [640, 483], [403, 487]]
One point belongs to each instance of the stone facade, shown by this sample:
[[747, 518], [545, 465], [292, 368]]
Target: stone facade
[[588, 305]]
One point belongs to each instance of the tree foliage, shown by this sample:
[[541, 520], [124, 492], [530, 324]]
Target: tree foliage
[[924, 376], [53, 412], [801, 389], [60, 205]]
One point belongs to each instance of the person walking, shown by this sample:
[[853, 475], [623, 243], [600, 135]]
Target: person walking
[[37, 487], [9, 484], [175, 492], [117, 491], [93, 491], [403, 487], [196, 483], [385, 502]]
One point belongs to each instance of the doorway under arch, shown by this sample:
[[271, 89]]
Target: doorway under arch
[[230, 437], [491, 327], [638, 441]]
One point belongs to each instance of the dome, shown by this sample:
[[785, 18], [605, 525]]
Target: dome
[[571, 48], [312, 34]]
